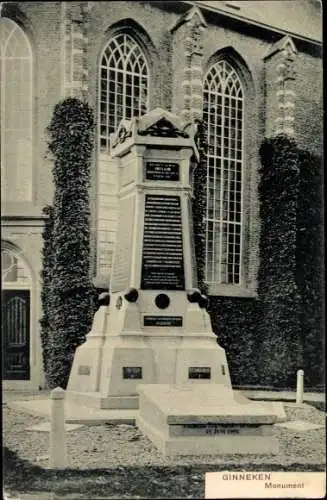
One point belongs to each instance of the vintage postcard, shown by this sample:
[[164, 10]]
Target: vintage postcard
[[162, 249]]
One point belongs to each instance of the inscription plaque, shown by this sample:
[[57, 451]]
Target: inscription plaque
[[215, 429], [210, 429], [199, 372], [163, 321], [132, 372], [84, 370], [161, 171], [162, 255]]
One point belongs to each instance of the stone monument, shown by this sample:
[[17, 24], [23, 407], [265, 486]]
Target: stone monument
[[156, 329], [152, 348]]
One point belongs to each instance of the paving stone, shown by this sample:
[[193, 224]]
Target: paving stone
[[299, 425], [276, 407], [45, 427], [76, 414]]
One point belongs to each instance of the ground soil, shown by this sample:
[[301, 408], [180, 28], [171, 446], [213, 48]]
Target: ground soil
[[118, 461]]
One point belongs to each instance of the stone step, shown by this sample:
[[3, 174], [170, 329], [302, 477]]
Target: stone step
[[205, 419]]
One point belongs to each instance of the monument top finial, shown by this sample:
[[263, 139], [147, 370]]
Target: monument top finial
[[158, 123]]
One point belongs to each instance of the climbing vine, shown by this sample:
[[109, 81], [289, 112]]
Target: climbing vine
[[67, 288]]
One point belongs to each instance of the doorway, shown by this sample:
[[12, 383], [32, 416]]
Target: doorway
[[16, 334], [15, 316]]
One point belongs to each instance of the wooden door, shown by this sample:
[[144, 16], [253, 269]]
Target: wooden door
[[16, 334]]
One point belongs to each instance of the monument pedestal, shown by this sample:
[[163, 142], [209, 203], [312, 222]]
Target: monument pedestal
[[204, 419], [155, 329], [120, 352]]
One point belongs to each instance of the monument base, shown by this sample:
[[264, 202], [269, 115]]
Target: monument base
[[209, 419], [97, 401], [120, 353]]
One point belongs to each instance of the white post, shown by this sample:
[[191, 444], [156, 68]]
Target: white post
[[299, 387], [58, 452]]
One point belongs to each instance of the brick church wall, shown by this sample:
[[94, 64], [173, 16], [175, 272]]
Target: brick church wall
[[309, 97]]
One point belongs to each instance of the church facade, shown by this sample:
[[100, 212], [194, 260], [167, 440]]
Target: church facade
[[248, 69]]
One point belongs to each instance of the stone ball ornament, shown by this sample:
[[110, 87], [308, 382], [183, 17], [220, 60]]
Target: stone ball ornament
[[104, 299], [203, 302], [194, 295], [162, 301], [131, 295]]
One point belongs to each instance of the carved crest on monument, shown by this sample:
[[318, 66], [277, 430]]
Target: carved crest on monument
[[161, 123], [163, 128], [125, 130], [157, 123]]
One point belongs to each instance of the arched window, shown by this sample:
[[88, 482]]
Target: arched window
[[16, 112], [13, 268], [224, 117], [124, 84]]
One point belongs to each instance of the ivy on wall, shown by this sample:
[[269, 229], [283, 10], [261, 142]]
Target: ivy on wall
[[310, 277], [199, 205], [46, 278], [279, 329], [234, 321], [68, 293]]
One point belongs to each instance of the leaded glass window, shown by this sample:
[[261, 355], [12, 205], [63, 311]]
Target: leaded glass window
[[224, 117], [124, 84], [16, 112]]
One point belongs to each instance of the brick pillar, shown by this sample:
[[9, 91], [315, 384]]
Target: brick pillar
[[187, 65], [74, 49], [280, 74]]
